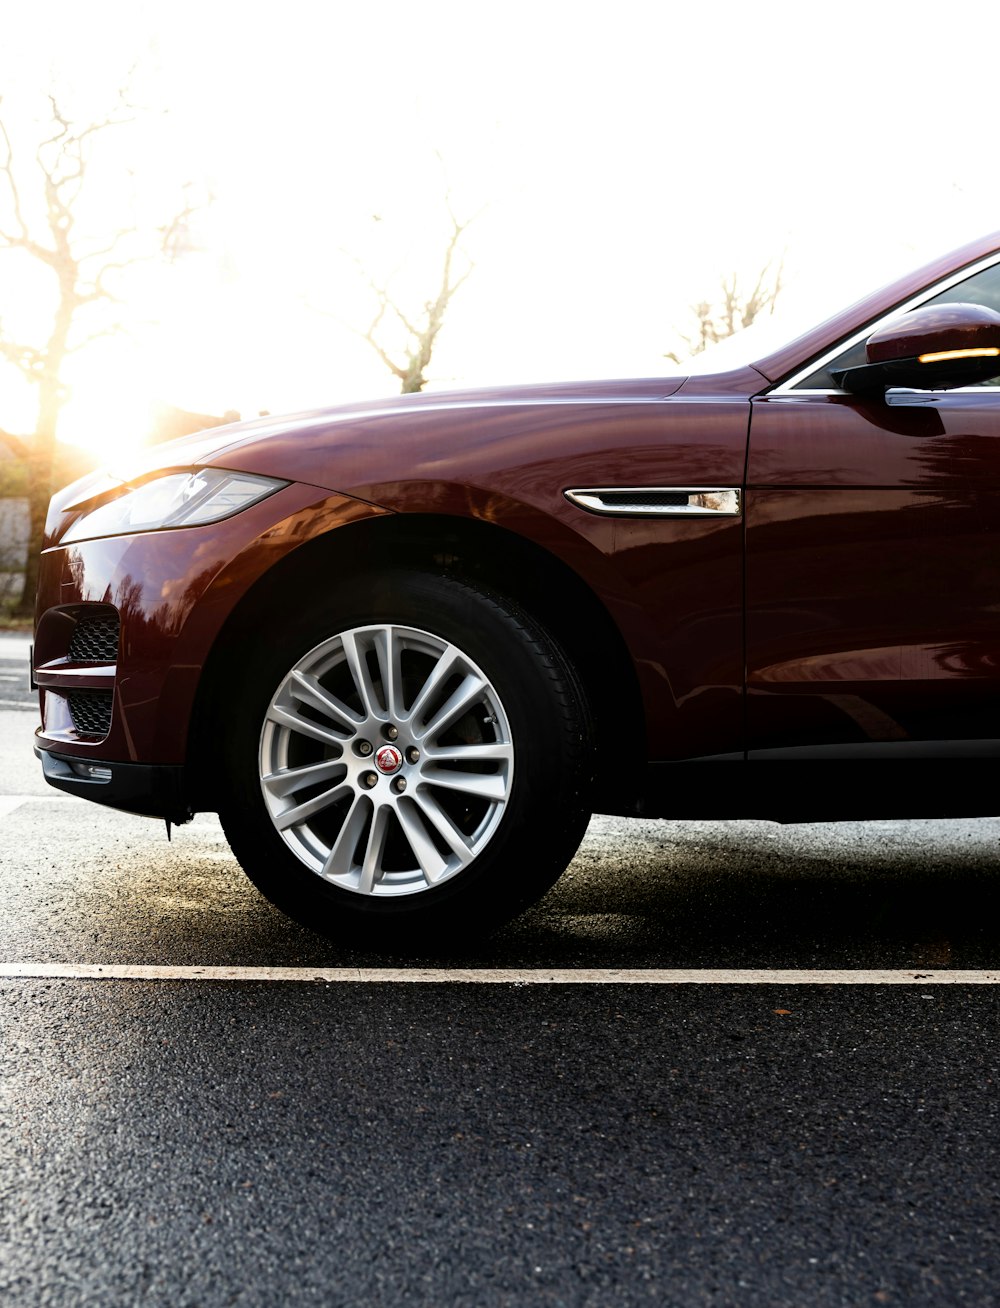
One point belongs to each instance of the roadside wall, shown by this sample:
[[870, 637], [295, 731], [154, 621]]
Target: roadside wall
[[14, 532]]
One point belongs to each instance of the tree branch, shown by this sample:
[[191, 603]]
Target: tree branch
[[7, 167], [110, 248], [735, 309], [116, 329], [98, 291], [414, 331], [172, 233], [370, 337], [29, 359], [423, 333]]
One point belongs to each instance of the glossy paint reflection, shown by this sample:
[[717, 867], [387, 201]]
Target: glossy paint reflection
[[873, 569], [174, 590]]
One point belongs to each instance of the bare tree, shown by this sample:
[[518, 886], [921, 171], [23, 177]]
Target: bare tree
[[40, 199], [733, 310], [421, 330]]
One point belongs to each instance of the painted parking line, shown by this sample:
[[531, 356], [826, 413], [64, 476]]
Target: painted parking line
[[501, 976], [14, 649], [10, 803]]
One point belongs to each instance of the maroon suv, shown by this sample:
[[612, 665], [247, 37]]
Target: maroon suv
[[406, 648]]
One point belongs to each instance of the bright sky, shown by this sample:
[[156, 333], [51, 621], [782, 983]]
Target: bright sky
[[625, 157]]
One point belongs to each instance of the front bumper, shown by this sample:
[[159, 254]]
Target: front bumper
[[125, 627], [148, 789]]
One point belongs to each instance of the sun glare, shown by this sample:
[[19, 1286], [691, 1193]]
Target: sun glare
[[110, 411], [585, 261]]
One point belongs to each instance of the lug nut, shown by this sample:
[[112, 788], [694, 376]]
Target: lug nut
[[364, 748], [390, 732], [412, 754], [369, 779], [399, 785]]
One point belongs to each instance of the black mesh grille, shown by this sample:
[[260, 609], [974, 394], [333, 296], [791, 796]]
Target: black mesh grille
[[654, 499], [91, 711], [95, 640]]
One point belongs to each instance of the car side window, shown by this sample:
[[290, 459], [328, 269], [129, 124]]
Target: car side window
[[982, 288]]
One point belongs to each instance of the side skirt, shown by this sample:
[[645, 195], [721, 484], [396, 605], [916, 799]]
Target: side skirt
[[841, 784]]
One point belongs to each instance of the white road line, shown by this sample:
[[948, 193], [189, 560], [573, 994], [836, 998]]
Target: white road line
[[8, 803], [500, 976]]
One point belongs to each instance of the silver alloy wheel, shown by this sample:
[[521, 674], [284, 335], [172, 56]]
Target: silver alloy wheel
[[386, 760]]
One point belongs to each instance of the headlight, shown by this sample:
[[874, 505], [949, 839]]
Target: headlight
[[177, 499]]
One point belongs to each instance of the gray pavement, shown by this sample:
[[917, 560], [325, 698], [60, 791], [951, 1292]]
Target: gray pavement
[[193, 1143], [14, 692], [93, 885], [201, 1145]]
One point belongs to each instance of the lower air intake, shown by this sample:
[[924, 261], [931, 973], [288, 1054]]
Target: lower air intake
[[95, 640], [91, 711]]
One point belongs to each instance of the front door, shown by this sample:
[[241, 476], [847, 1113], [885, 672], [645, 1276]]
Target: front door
[[873, 568]]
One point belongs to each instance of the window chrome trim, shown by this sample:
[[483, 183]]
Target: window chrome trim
[[940, 394], [946, 283], [702, 501]]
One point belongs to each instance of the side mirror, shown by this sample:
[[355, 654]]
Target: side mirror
[[936, 348]]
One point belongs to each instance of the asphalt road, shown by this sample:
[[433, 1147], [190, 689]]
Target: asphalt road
[[199, 1143]]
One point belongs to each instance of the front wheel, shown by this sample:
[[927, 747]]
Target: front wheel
[[413, 759]]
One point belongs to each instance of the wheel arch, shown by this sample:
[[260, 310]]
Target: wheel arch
[[513, 566]]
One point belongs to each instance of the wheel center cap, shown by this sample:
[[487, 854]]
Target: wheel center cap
[[388, 759]]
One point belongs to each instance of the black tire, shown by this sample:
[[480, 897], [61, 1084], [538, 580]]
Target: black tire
[[531, 718]]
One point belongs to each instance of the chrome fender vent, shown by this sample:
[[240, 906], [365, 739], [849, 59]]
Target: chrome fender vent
[[658, 501]]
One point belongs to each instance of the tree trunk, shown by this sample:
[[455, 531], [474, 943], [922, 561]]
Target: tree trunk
[[39, 493], [41, 459]]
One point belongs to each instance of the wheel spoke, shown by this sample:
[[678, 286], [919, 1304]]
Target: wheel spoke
[[304, 726], [459, 702], [309, 690], [437, 677], [286, 781], [294, 816], [493, 751], [357, 663], [388, 650], [427, 854], [371, 866], [340, 859], [491, 786], [443, 824]]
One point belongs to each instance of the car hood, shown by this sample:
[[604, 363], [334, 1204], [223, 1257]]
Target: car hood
[[469, 437], [210, 446], [263, 439]]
